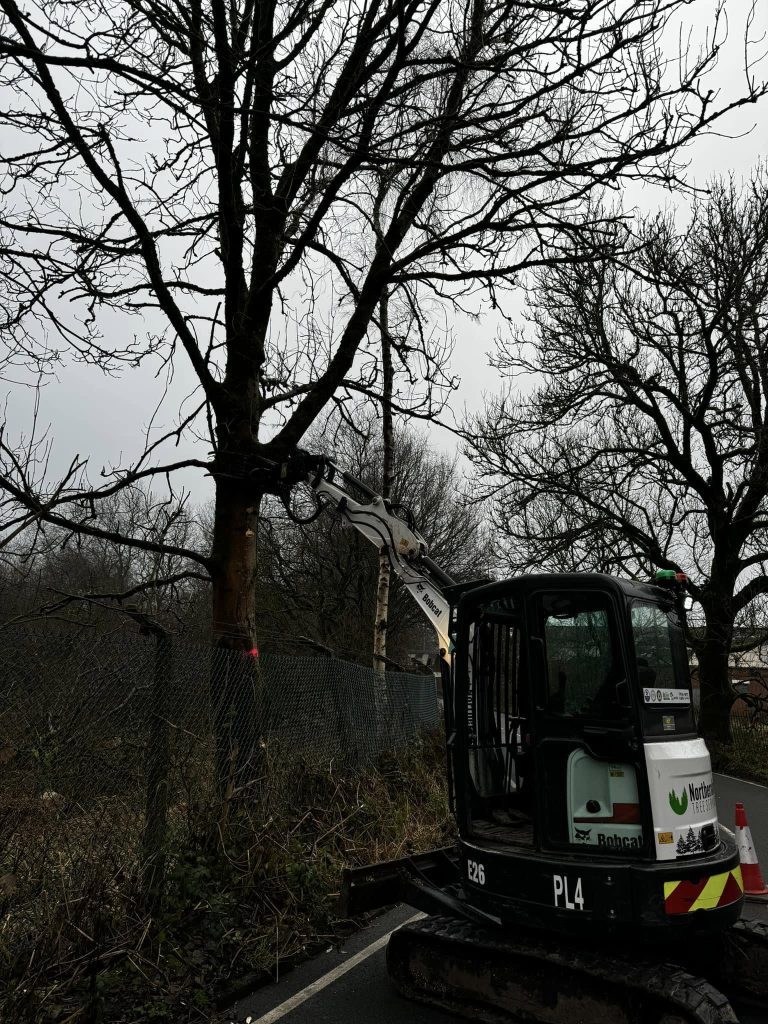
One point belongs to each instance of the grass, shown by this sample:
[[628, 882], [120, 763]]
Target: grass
[[78, 944]]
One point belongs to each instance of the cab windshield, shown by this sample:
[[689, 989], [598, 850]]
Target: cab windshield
[[662, 670]]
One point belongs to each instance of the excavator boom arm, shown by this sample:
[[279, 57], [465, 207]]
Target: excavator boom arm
[[381, 525]]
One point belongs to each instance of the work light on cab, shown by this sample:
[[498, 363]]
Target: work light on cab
[[671, 578]]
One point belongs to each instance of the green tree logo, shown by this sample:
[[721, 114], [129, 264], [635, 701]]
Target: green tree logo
[[678, 804]]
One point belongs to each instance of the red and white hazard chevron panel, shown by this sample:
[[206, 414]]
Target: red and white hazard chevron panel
[[704, 894]]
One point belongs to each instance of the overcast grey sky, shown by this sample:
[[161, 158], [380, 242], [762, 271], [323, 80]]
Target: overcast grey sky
[[739, 144], [105, 417]]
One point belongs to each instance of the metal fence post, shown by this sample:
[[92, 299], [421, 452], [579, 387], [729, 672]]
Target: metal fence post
[[154, 838]]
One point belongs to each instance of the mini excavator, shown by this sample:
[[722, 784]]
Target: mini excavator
[[590, 876]]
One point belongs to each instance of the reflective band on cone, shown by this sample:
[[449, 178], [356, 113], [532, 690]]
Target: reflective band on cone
[[754, 885]]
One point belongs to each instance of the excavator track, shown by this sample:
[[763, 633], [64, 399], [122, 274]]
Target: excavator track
[[498, 977], [741, 961]]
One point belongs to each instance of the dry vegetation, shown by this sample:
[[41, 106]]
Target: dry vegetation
[[79, 943]]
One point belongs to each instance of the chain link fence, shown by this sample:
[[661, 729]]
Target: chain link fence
[[146, 779], [121, 740]]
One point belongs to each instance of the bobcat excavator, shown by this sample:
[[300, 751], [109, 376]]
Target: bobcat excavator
[[590, 878]]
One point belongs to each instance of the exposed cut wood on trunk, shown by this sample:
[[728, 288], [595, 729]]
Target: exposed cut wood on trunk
[[235, 676]]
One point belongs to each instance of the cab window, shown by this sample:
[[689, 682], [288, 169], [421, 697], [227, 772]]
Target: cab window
[[662, 670], [583, 658], [652, 628]]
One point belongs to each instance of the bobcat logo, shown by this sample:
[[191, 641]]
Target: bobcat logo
[[678, 804], [583, 834]]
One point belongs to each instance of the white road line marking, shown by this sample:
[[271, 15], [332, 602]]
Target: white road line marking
[[745, 781], [327, 979]]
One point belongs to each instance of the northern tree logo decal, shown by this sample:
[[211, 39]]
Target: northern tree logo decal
[[678, 804], [691, 844]]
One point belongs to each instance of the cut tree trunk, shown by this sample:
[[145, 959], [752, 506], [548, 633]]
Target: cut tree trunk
[[235, 684]]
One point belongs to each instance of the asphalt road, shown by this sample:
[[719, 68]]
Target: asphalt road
[[349, 985], [755, 800]]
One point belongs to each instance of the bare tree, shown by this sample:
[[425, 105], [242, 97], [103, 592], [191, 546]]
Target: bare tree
[[646, 443], [72, 576], [206, 172]]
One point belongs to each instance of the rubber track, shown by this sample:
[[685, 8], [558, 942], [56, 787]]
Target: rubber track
[[647, 989], [743, 961], [753, 931]]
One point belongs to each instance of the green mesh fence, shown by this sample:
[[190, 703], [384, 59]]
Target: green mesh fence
[[123, 738]]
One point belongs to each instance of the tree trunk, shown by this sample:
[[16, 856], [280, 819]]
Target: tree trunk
[[382, 590], [382, 611], [713, 653], [236, 677]]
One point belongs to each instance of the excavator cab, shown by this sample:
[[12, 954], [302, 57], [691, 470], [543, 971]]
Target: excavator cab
[[572, 744]]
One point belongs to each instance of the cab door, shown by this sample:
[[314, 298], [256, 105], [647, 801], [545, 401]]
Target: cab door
[[587, 744]]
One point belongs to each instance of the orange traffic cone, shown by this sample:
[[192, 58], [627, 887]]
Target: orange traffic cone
[[754, 885]]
